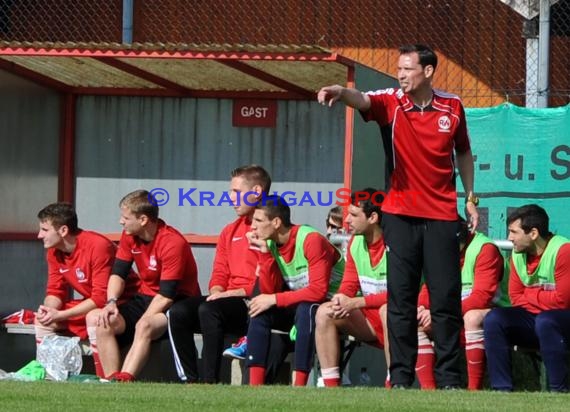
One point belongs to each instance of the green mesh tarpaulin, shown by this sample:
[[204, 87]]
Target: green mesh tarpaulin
[[522, 156]]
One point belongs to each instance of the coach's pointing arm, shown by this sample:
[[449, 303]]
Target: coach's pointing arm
[[351, 97]]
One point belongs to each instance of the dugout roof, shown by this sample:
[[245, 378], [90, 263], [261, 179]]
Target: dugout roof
[[178, 70]]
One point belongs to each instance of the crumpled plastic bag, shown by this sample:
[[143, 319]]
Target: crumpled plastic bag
[[60, 356]]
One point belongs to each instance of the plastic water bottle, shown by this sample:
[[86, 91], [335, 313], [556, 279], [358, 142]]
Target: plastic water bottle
[[364, 377]]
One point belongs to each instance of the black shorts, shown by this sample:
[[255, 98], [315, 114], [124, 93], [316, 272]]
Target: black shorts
[[132, 311]]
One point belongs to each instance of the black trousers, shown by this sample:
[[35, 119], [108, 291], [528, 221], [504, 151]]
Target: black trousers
[[183, 322], [214, 319], [429, 248], [217, 318]]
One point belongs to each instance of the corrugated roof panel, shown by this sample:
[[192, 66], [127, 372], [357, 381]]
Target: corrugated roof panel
[[298, 70], [201, 74], [80, 71], [309, 75]]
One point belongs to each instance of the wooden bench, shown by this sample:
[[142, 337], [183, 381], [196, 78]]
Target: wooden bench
[[160, 366], [18, 329], [19, 340], [159, 355]]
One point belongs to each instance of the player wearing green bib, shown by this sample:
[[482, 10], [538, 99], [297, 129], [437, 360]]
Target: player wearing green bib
[[298, 269], [539, 289], [355, 309]]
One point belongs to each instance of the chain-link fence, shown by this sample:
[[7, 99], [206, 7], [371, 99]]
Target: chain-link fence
[[490, 50]]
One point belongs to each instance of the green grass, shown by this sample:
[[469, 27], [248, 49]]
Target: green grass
[[142, 397]]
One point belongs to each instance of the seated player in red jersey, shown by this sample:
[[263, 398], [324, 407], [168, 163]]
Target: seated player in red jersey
[[79, 264], [168, 273]]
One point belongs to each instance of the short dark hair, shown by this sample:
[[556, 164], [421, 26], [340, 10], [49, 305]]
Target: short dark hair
[[275, 206], [254, 175], [60, 214], [335, 214], [425, 53], [370, 204], [141, 202], [531, 216]]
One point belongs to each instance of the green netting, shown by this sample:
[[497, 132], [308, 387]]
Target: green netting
[[522, 156]]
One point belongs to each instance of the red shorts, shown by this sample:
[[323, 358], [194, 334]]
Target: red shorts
[[372, 315], [76, 325]]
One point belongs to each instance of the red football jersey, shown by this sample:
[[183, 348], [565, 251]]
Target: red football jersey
[[420, 149], [86, 269], [235, 262], [537, 299], [167, 257]]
